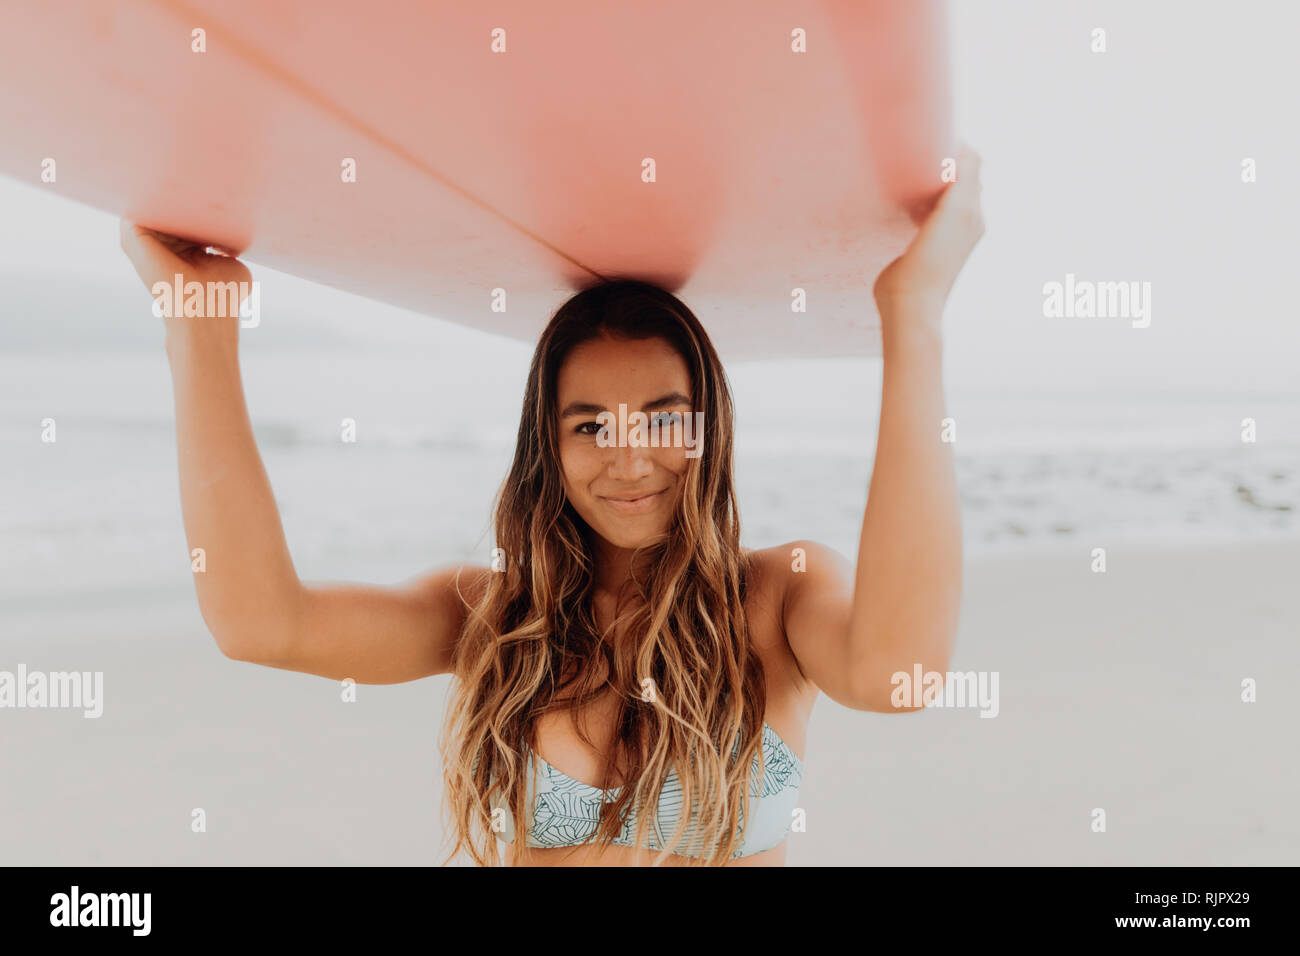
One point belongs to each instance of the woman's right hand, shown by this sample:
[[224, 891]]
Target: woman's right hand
[[158, 257]]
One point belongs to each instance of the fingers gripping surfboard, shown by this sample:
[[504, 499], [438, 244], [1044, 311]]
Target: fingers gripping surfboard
[[753, 158]]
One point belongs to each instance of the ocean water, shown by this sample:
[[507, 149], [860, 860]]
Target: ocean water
[[97, 513]]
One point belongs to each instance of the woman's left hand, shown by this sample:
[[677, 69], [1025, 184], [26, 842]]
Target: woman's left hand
[[914, 287]]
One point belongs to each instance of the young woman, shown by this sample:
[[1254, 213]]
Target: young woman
[[631, 684]]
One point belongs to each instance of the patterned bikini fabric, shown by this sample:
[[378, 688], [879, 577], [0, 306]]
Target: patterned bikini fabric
[[566, 812]]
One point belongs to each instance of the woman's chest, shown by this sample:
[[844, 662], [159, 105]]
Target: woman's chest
[[576, 743]]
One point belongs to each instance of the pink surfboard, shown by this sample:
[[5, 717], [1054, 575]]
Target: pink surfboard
[[731, 150]]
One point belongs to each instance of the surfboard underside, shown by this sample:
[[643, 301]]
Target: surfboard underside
[[519, 146]]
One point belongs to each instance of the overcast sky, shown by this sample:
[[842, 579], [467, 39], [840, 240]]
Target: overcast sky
[[1122, 166]]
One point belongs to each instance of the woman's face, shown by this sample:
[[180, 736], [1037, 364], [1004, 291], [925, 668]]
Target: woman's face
[[627, 494]]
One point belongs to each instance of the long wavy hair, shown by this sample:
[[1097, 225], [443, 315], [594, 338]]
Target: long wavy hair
[[531, 632]]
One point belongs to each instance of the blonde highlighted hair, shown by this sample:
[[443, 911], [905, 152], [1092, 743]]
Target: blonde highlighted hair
[[680, 622]]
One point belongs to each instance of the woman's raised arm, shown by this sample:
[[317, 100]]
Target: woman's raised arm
[[249, 593], [853, 630]]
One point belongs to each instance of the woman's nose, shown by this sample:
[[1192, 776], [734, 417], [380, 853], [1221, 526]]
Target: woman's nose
[[630, 462]]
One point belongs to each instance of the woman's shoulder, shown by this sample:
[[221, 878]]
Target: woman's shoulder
[[775, 578], [780, 563], [456, 588], [776, 571]]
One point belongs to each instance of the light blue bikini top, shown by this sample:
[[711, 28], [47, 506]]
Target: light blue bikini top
[[566, 812]]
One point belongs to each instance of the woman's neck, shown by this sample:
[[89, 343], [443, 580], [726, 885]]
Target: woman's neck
[[613, 565]]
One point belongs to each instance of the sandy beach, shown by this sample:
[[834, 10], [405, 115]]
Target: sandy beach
[[1118, 691]]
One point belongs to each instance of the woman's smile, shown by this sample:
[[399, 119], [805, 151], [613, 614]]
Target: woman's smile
[[634, 504]]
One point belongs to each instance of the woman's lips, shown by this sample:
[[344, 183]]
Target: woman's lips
[[635, 506]]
